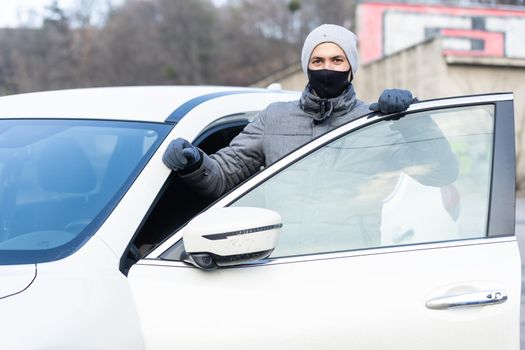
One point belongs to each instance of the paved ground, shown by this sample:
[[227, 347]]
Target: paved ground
[[520, 234]]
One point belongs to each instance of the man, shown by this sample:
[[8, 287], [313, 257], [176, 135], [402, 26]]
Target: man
[[329, 59]]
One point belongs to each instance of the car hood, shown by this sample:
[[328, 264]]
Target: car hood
[[15, 279]]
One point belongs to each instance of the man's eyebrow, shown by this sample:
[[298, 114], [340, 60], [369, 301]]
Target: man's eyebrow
[[329, 57]]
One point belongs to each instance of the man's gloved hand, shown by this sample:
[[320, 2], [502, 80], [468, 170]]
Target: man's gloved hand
[[180, 154], [393, 101]]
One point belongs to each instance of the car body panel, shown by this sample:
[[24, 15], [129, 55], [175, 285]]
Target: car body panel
[[15, 279], [153, 104], [70, 297], [368, 301]]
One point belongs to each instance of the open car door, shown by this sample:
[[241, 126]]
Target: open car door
[[398, 233]]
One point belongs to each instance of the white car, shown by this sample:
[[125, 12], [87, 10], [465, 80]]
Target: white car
[[102, 247]]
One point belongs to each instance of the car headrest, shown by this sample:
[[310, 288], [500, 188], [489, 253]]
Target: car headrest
[[64, 167]]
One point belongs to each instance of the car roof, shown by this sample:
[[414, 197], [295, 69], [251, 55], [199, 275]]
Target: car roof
[[138, 103]]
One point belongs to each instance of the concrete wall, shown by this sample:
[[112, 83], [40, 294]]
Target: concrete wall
[[417, 69], [429, 74], [295, 82], [290, 78]]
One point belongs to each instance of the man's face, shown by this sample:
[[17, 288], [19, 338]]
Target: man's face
[[328, 56]]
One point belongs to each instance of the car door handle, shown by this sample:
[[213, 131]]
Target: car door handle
[[489, 297]]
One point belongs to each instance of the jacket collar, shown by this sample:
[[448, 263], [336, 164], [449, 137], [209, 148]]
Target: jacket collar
[[321, 109]]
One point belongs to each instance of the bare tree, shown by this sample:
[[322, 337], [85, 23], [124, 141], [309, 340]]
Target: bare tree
[[161, 42]]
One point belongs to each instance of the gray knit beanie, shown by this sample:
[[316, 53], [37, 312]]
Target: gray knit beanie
[[338, 35]]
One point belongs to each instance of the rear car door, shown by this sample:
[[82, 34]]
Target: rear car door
[[398, 232]]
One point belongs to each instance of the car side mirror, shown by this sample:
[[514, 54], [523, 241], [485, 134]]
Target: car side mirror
[[231, 236]]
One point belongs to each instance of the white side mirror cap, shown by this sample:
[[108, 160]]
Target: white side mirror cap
[[231, 236]]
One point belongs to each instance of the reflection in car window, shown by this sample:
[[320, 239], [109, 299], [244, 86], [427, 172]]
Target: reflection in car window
[[422, 178], [61, 178]]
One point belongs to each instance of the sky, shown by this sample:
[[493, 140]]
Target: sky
[[12, 12], [29, 12]]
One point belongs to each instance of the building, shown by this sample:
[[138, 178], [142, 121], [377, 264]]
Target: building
[[386, 28]]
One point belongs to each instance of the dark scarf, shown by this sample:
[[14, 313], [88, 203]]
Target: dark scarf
[[321, 109]]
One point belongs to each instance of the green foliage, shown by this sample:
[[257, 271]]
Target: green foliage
[[294, 5], [170, 72]]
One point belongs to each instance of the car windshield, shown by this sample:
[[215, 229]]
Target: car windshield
[[60, 179]]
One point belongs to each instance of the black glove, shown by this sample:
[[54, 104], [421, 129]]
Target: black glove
[[180, 155], [393, 101]]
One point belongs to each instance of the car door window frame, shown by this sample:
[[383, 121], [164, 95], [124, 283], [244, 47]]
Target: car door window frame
[[502, 194]]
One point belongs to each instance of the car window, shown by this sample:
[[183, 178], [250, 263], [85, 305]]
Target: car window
[[422, 178], [61, 178]]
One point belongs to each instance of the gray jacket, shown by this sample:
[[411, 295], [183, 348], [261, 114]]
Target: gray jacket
[[278, 130]]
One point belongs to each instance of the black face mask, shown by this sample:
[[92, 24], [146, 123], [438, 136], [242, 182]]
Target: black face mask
[[328, 83]]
